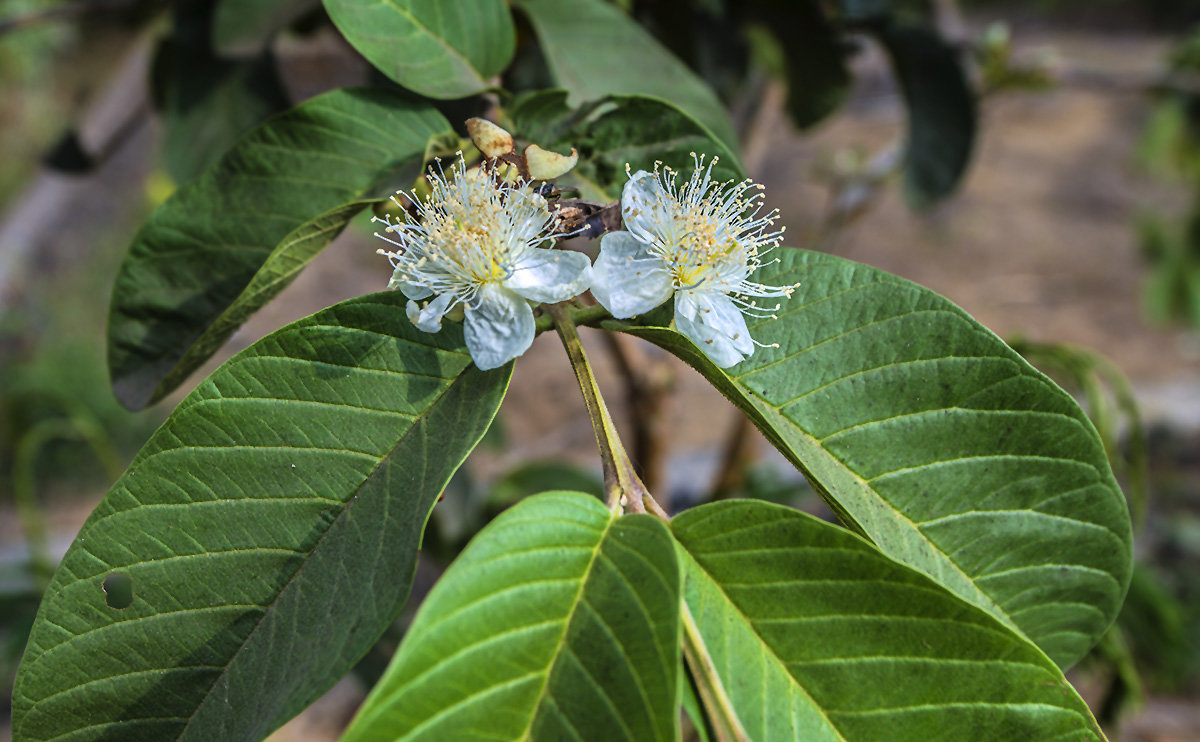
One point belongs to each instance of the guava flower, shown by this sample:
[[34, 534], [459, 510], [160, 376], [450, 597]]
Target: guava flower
[[699, 243], [481, 245]]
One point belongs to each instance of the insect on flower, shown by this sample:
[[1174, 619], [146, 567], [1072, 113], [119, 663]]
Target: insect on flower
[[700, 242], [482, 244]]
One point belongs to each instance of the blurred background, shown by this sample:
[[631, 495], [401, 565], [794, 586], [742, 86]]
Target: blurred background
[[1075, 235]]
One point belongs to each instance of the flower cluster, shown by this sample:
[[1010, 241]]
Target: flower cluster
[[480, 247]]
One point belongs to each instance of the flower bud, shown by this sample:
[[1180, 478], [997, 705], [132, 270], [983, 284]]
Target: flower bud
[[491, 140], [546, 165]]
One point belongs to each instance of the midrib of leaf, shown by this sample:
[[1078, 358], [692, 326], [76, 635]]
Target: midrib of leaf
[[457, 55], [346, 506], [561, 644], [767, 652], [962, 583]]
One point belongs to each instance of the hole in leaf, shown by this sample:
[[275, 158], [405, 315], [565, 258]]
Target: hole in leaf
[[118, 591]]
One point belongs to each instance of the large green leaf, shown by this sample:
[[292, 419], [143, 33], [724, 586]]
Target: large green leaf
[[616, 132], [439, 48], [595, 50], [936, 440], [558, 621], [269, 530], [815, 635], [201, 249]]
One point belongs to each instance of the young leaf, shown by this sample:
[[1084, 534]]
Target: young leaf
[[268, 532], [439, 48], [941, 111], [558, 621], [815, 635], [201, 249], [595, 50], [938, 442]]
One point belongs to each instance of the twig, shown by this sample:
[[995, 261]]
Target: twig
[[647, 389], [621, 483]]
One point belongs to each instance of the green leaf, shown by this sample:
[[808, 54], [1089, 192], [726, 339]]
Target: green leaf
[[616, 132], [595, 50], [269, 532], [439, 48], [941, 111], [201, 251], [242, 26], [815, 635], [558, 621], [938, 442]]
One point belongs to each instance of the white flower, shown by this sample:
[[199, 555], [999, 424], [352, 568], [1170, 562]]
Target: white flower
[[478, 242], [699, 243]]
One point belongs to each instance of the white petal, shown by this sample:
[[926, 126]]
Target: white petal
[[713, 322], [642, 202], [499, 327], [411, 290], [627, 279], [550, 275], [428, 318]]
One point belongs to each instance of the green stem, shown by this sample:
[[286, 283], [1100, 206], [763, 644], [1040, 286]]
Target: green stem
[[585, 316], [725, 724], [620, 479]]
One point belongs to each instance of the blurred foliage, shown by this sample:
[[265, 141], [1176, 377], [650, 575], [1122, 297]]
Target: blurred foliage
[[1171, 148], [1155, 644]]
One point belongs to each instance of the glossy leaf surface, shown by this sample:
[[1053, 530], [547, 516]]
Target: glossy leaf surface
[[558, 621], [268, 530], [815, 635], [199, 251], [438, 48], [938, 442]]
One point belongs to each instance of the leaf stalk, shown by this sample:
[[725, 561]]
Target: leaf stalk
[[622, 486]]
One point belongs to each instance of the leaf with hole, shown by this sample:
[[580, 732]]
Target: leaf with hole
[[201, 251], [268, 534], [558, 621], [929, 435], [811, 633], [595, 50], [439, 48]]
